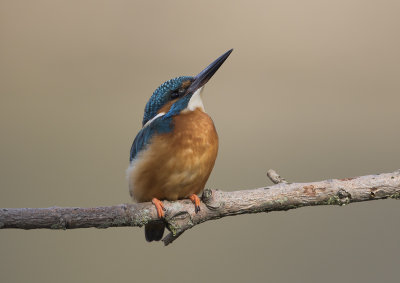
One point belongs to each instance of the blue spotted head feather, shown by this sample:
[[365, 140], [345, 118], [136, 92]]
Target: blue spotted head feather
[[161, 96]]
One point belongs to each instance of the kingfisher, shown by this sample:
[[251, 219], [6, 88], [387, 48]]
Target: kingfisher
[[174, 153]]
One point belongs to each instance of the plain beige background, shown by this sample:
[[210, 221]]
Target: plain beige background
[[312, 90]]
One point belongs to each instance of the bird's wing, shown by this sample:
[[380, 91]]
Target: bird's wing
[[142, 139]]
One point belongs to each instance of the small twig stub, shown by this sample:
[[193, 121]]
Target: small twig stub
[[275, 177]]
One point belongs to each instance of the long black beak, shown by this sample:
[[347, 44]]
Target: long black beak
[[204, 76]]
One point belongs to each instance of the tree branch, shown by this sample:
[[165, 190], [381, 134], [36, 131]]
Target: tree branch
[[180, 215]]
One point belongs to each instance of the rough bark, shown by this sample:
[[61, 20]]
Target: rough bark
[[180, 215]]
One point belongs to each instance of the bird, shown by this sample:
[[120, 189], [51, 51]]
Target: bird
[[172, 156]]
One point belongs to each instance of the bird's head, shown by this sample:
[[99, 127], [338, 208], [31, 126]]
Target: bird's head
[[181, 93]]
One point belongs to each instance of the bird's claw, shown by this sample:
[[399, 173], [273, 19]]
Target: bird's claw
[[196, 201], [159, 206]]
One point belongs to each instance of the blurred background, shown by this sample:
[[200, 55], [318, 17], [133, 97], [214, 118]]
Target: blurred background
[[311, 90]]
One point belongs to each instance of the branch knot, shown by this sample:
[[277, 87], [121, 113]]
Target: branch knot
[[209, 200]]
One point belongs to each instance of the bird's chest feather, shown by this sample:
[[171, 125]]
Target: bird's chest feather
[[176, 164]]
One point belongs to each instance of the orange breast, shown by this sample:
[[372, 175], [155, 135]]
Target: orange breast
[[177, 164]]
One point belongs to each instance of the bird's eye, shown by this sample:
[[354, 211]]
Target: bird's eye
[[174, 95], [178, 93], [181, 91]]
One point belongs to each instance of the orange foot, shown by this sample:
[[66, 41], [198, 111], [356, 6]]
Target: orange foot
[[195, 199], [159, 206]]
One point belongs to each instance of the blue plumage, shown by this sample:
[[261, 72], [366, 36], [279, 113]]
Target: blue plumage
[[178, 106], [161, 96], [142, 139]]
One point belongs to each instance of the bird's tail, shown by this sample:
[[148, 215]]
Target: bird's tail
[[154, 231]]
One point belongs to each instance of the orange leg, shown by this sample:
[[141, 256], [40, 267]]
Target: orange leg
[[159, 206], [195, 199]]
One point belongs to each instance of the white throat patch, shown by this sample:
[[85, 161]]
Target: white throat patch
[[196, 101]]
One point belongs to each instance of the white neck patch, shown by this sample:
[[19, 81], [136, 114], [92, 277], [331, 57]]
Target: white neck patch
[[196, 101], [152, 119]]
